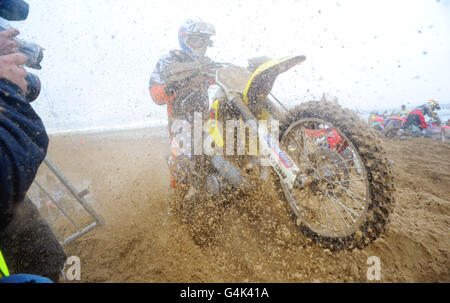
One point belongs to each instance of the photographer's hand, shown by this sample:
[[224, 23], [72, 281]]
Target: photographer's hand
[[7, 44], [10, 69]]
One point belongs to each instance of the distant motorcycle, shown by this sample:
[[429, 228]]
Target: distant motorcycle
[[392, 126], [378, 123], [434, 131]]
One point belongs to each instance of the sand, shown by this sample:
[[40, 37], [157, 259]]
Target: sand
[[127, 175]]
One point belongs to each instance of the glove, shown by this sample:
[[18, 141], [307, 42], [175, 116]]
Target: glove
[[188, 83], [178, 71]]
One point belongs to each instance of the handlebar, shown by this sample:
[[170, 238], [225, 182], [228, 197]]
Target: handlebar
[[181, 70]]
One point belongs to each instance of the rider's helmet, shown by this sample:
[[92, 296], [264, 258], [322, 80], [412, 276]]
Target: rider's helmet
[[433, 105], [403, 106], [194, 36]]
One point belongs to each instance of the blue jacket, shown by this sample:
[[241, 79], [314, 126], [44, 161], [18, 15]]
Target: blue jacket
[[23, 146]]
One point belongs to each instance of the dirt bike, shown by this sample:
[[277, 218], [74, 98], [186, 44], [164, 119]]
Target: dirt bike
[[329, 166], [377, 123], [392, 126], [437, 132]]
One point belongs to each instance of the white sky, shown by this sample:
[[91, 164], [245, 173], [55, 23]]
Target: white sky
[[100, 53]]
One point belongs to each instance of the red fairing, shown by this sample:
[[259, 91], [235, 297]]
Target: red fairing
[[397, 118], [334, 140], [378, 119]]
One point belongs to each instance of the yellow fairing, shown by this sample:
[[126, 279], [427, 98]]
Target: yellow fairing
[[213, 128], [257, 88], [262, 80], [3, 268]]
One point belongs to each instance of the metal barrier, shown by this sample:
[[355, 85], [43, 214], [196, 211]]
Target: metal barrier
[[79, 197]]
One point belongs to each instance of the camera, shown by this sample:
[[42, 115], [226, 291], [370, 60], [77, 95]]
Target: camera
[[16, 10]]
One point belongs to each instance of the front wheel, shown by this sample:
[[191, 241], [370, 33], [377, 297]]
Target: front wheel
[[348, 203]]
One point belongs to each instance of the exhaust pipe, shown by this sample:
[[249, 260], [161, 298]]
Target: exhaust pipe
[[228, 172]]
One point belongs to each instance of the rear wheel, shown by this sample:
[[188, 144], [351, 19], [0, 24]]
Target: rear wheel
[[349, 201]]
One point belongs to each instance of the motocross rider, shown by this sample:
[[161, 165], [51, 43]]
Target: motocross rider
[[187, 93], [376, 121], [403, 112], [415, 120]]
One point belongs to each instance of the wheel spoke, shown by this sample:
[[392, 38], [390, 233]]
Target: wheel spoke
[[328, 216], [336, 163], [362, 188], [339, 212], [303, 149], [351, 167], [350, 194], [344, 182], [320, 213], [343, 206]]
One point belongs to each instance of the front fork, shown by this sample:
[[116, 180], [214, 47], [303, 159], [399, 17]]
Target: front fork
[[284, 166]]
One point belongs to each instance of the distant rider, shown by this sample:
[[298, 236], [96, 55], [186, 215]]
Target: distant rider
[[371, 117], [187, 95], [403, 112], [415, 120], [376, 121]]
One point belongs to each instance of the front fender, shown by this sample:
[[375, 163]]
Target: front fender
[[263, 79]]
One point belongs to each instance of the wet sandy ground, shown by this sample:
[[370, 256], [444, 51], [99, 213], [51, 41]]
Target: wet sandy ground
[[127, 175]]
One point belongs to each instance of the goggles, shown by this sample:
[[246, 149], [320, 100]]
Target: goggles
[[197, 41]]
